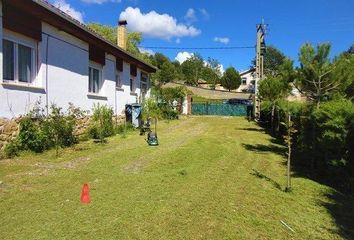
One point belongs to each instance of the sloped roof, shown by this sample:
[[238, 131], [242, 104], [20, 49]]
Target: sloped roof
[[54, 16]]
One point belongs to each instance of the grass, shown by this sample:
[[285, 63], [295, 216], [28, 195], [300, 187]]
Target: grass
[[199, 99], [210, 178]]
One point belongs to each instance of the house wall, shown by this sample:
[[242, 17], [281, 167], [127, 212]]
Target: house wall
[[62, 77], [249, 76]]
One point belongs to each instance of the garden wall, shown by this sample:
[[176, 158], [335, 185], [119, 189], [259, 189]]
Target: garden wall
[[9, 127], [8, 130]]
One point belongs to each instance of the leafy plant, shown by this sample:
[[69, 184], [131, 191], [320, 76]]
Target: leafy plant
[[31, 136], [102, 123], [231, 79], [13, 148], [59, 128]]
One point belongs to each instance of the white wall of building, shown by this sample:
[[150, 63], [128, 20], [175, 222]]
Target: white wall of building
[[246, 78], [62, 77]]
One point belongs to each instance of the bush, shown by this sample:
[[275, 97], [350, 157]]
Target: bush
[[59, 128], [102, 123], [332, 123], [13, 148], [169, 114], [38, 133], [32, 137]]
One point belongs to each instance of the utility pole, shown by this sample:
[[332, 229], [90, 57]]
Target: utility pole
[[260, 51]]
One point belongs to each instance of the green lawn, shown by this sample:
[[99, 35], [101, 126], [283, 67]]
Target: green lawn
[[210, 178]]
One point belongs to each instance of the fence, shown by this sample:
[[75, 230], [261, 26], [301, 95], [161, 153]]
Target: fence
[[220, 109]]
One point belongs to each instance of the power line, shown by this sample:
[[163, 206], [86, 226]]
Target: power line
[[198, 48]]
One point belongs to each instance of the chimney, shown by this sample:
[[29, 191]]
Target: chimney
[[122, 34]]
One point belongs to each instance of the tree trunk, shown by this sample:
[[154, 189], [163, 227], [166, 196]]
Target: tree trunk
[[278, 121], [288, 187], [272, 118]]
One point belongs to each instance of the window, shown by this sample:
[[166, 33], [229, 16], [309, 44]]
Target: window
[[95, 75], [132, 85], [244, 81], [144, 77], [18, 62], [118, 80]]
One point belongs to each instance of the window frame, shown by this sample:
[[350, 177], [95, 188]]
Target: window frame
[[132, 85], [119, 80], [33, 46], [99, 68], [245, 81]]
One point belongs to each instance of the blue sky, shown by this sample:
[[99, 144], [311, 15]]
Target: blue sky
[[223, 23]]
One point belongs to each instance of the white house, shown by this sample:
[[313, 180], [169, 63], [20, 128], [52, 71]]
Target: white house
[[247, 80], [47, 56]]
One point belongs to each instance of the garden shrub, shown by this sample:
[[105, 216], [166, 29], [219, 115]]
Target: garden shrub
[[13, 148], [38, 132], [59, 128], [102, 123], [31, 136], [323, 143]]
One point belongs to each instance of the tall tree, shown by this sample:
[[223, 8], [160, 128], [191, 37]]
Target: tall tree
[[110, 33], [160, 59], [273, 58], [167, 72], [106, 31], [276, 88], [319, 77], [209, 75], [231, 79], [192, 69], [134, 40], [272, 89], [351, 50], [212, 72]]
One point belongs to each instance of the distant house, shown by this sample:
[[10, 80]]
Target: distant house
[[47, 56], [248, 79], [203, 84]]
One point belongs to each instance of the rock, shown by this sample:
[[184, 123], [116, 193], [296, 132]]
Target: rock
[[3, 121], [10, 127], [3, 137]]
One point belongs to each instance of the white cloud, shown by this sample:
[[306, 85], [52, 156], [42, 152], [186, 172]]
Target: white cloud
[[204, 12], [100, 1], [222, 69], [147, 51], [183, 56], [155, 25], [65, 7], [224, 40], [220, 66], [190, 16]]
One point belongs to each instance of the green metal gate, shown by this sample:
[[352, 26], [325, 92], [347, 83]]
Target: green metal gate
[[219, 109]]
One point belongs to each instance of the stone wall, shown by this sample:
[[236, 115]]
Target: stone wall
[[8, 130]]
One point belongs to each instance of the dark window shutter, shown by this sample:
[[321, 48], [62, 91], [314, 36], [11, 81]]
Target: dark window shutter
[[97, 55], [133, 70], [21, 22], [119, 64]]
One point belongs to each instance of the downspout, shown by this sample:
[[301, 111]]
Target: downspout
[[46, 76], [115, 104]]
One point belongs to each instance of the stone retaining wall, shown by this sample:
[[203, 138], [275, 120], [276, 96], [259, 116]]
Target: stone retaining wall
[[9, 128]]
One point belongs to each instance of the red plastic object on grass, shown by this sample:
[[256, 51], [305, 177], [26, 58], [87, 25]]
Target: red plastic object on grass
[[85, 196]]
